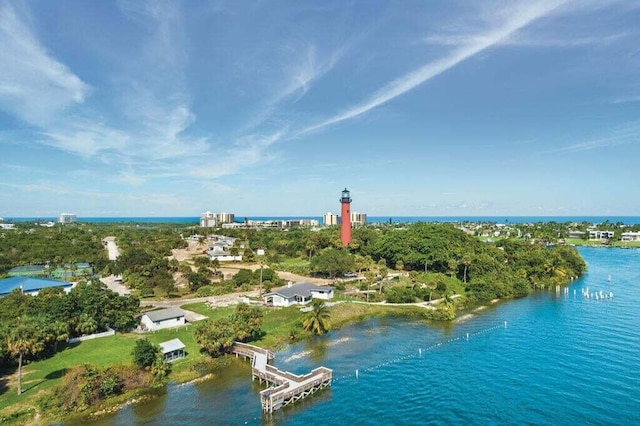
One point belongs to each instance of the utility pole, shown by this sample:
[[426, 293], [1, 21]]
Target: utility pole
[[260, 290]]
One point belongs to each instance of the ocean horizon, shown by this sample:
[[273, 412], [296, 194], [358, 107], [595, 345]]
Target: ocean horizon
[[627, 220]]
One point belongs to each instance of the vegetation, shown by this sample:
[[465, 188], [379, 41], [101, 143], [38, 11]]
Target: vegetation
[[145, 353], [400, 264], [317, 319], [217, 336]]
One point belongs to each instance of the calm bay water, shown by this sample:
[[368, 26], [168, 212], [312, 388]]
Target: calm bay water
[[560, 360]]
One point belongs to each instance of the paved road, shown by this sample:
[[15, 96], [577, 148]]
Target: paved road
[[112, 247], [114, 283]]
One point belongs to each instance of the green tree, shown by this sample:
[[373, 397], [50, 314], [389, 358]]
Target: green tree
[[86, 324], [247, 322], [333, 262], [216, 337], [145, 353], [317, 320], [23, 339], [243, 276]]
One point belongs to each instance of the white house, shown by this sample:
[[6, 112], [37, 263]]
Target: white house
[[600, 235], [172, 350], [162, 318], [630, 236], [298, 294]]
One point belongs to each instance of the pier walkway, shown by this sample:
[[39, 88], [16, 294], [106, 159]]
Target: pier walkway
[[285, 388]]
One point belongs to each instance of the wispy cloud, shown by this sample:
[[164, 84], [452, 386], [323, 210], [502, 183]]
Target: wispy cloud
[[515, 20], [34, 85], [49, 189], [625, 134], [626, 99]]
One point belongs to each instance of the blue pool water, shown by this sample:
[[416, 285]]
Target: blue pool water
[[561, 360]]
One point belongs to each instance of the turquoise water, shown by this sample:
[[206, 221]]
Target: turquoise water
[[560, 360]]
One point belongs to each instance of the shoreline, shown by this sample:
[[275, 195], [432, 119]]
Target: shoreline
[[364, 311]]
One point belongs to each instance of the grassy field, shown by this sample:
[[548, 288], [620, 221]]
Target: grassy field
[[278, 324], [597, 243]]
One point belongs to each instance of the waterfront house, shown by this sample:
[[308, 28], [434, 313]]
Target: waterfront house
[[600, 235], [172, 350], [630, 236], [162, 318], [31, 286], [575, 234], [298, 294]]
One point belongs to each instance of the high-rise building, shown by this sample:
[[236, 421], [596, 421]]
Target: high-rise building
[[358, 219], [214, 220], [67, 218], [330, 219], [345, 217]]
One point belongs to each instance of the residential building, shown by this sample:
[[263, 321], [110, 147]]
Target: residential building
[[7, 226], [214, 220], [162, 318], [358, 219], [67, 218], [601, 235], [330, 219], [298, 294], [630, 236], [575, 234], [172, 350], [30, 285]]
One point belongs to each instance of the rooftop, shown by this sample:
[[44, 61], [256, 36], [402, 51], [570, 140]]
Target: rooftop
[[302, 289], [164, 314], [29, 284], [171, 345]]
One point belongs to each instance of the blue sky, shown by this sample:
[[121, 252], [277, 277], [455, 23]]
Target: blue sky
[[133, 108]]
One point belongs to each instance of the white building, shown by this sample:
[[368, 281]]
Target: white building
[[630, 236], [358, 219], [214, 220], [67, 218], [162, 318], [330, 219], [600, 235], [298, 294], [173, 350]]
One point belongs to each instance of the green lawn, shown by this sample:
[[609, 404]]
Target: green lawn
[[106, 351]]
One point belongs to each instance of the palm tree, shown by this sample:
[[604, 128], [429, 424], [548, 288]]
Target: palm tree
[[317, 320], [23, 339]]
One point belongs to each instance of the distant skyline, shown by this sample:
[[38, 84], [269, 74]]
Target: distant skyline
[[439, 108]]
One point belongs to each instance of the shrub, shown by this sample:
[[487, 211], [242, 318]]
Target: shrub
[[205, 291]]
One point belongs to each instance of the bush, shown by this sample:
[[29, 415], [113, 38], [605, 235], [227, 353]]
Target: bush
[[145, 353], [205, 291]]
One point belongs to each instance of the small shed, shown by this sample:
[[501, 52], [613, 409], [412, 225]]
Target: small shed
[[172, 350], [163, 318]]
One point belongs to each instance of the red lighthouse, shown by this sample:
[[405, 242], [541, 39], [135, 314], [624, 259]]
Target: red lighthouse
[[345, 217]]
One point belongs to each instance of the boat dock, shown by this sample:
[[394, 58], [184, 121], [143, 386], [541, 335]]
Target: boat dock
[[284, 388]]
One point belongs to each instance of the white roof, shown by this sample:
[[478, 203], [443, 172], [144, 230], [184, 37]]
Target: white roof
[[171, 345]]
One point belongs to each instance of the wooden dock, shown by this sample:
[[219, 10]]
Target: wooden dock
[[284, 388]]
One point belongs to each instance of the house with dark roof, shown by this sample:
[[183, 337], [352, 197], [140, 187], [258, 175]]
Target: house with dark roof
[[31, 285], [162, 318], [298, 294]]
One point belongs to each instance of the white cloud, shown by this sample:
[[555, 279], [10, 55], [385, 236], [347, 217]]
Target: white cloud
[[516, 19], [34, 86], [625, 134]]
